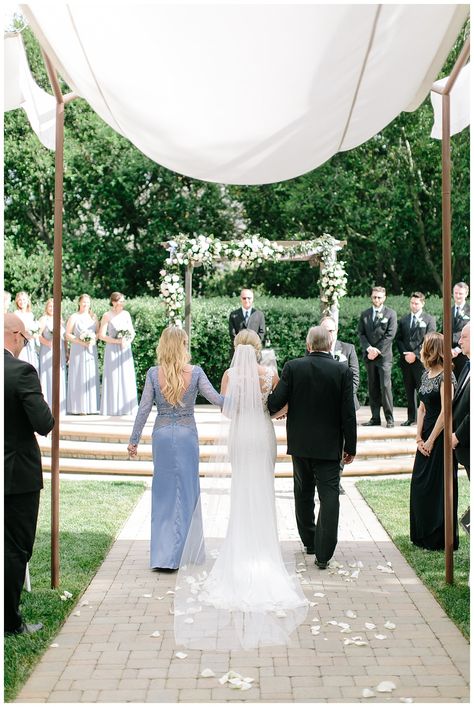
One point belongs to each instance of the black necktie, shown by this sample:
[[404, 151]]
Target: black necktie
[[246, 318], [413, 324]]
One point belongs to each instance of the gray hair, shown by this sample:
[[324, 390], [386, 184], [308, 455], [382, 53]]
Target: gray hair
[[318, 339]]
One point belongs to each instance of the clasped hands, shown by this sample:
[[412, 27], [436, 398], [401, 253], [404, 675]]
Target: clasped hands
[[372, 353], [424, 447], [132, 450]]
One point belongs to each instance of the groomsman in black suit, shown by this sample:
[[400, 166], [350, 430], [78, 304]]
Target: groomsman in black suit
[[460, 316], [26, 413], [377, 329], [411, 331], [320, 428], [345, 353], [246, 317], [461, 409]]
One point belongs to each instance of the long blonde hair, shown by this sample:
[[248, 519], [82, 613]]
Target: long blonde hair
[[173, 355]]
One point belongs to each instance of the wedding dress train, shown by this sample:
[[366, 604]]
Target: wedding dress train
[[237, 592]]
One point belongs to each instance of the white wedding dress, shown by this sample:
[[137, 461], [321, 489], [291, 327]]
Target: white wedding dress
[[237, 592]]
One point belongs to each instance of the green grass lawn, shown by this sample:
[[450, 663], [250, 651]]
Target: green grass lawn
[[91, 514], [390, 501]]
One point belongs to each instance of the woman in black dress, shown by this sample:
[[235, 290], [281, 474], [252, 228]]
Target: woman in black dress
[[427, 481]]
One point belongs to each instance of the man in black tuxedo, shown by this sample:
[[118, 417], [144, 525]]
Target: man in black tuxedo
[[26, 413], [460, 316], [411, 332], [345, 353], [461, 405], [246, 317], [321, 428], [377, 329]]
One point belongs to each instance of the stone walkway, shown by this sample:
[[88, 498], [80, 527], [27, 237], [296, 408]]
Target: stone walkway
[[106, 652]]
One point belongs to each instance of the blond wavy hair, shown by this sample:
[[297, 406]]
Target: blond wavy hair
[[173, 355], [249, 337]]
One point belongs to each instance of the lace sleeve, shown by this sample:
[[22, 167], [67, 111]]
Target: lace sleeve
[[207, 390], [144, 409]]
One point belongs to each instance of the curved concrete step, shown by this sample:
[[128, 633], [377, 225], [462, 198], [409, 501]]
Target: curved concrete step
[[145, 468]]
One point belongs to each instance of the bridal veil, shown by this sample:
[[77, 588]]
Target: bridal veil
[[233, 589]]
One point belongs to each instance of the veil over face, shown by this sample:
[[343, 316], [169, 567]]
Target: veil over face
[[233, 589]]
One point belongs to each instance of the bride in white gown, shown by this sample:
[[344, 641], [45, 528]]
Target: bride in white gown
[[237, 592]]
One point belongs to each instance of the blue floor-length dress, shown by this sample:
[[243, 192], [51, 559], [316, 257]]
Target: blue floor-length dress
[[175, 486], [119, 386], [46, 369]]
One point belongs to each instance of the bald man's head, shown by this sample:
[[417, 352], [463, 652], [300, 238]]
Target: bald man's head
[[14, 333], [465, 340]]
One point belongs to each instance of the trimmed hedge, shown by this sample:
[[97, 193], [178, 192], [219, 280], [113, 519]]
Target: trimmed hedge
[[287, 320]]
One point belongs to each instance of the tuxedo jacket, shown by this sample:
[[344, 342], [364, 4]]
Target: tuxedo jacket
[[408, 340], [256, 322], [353, 362], [379, 333], [461, 417], [26, 412], [457, 323], [321, 419]]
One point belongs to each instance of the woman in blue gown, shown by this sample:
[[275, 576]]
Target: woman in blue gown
[[173, 385]]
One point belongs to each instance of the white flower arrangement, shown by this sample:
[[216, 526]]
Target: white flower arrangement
[[87, 336], [124, 334], [206, 250], [33, 329]]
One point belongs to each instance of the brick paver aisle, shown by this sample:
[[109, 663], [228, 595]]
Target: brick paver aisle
[[107, 653]]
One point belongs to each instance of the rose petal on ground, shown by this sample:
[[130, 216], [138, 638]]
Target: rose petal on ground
[[302, 569], [332, 623], [155, 634], [54, 645], [68, 595], [62, 597], [245, 686], [207, 673], [170, 591], [355, 574], [189, 620], [342, 624], [314, 603], [385, 686], [380, 636], [389, 564], [281, 614], [387, 570], [148, 596], [367, 692], [77, 613], [406, 699], [390, 625], [181, 655], [369, 626], [351, 614], [84, 603], [318, 594]]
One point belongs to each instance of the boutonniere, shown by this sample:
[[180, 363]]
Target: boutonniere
[[465, 316], [383, 319], [422, 324], [339, 356]]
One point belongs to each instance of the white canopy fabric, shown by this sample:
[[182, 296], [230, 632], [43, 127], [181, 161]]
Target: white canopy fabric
[[247, 94], [460, 103], [21, 91]]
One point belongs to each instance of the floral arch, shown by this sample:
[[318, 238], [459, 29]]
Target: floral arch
[[206, 251]]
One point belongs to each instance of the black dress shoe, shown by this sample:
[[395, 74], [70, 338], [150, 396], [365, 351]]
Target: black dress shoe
[[390, 423], [407, 423], [371, 423], [321, 565], [309, 550], [25, 628]]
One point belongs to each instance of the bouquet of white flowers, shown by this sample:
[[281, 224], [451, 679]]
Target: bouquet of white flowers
[[87, 336], [124, 334], [33, 329]]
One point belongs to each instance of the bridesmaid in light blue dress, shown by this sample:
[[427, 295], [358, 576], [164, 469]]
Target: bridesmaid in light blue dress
[[23, 310], [83, 378], [173, 385], [46, 358], [119, 386]]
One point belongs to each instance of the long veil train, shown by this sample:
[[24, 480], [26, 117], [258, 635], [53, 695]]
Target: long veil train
[[233, 588]]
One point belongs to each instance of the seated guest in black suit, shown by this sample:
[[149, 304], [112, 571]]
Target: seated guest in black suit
[[344, 353], [460, 316], [412, 329], [461, 410], [246, 317], [27, 413]]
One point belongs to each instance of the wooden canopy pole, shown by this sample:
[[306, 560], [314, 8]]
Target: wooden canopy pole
[[57, 297], [447, 327]]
